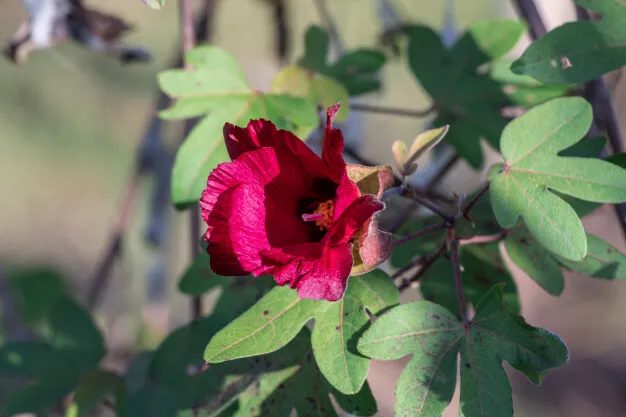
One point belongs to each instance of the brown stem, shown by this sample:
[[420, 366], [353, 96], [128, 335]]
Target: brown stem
[[419, 233], [426, 262], [102, 275], [455, 249], [188, 42], [479, 240], [393, 111], [529, 12], [475, 199]]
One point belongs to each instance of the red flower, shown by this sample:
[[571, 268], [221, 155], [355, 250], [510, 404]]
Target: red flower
[[280, 209]]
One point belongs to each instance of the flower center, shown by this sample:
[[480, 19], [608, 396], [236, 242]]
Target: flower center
[[322, 216]]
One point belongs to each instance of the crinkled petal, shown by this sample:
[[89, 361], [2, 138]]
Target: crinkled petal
[[327, 277], [332, 144], [220, 205], [298, 162], [352, 220]]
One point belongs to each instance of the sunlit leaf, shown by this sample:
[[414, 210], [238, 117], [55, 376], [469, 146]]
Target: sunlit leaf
[[155, 4], [523, 185], [579, 51], [315, 87], [218, 89], [435, 338], [276, 319]]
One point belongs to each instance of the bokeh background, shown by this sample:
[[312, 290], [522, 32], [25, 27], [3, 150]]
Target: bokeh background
[[71, 121]]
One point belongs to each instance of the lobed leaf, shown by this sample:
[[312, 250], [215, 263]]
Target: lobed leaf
[[435, 338], [524, 184], [579, 51], [279, 316]]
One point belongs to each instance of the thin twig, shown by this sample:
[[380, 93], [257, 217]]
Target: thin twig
[[475, 199], [455, 249], [479, 240], [442, 171], [114, 248], [102, 274], [330, 24], [425, 262], [419, 233], [282, 34], [429, 205], [392, 111], [529, 12], [188, 42]]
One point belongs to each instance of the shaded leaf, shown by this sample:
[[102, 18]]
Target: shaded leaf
[[35, 291], [198, 278], [579, 51], [483, 268], [522, 89], [355, 70], [38, 397], [466, 100], [92, 388], [523, 184], [435, 337], [535, 261], [218, 89], [603, 260]]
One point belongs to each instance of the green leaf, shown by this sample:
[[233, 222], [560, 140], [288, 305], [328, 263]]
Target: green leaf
[[93, 387], [523, 184], [423, 245], [435, 337], [278, 317], [579, 51], [603, 260], [466, 100], [34, 359], [307, 391], [217, 87], [35, 291], [339, 327], [38, 397], [198, 278], [71, 327], [355, 70], [316, 88], [522, 89], [535, 261], [155, 4], [483, 268]]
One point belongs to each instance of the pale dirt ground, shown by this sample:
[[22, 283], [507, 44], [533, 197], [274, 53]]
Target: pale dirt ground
[[62, 175]]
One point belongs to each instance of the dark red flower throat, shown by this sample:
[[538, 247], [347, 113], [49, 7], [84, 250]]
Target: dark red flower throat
[[280, 209]]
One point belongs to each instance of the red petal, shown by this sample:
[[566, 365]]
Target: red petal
[[332, 144], [347, 192], [353, 219], [327, 277], [220, 205], [296, 159]]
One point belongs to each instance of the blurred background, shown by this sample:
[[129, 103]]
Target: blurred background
[[71, 121]]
